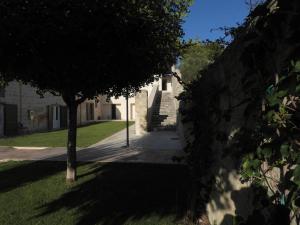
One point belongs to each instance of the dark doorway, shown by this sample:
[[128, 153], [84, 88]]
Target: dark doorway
[[164, 84], [10, 120], [63, 117], [113, 112], [92, 111]]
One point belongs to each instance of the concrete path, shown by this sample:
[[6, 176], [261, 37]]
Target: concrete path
[[154, 147]]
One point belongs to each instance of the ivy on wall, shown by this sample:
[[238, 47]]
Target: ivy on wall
[[273, 164], [267, 142]]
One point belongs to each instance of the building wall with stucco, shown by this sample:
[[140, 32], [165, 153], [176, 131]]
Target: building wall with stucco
[[31, 111]]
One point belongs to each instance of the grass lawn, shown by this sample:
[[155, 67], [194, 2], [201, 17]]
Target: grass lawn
[[107, 194], [86, 136]]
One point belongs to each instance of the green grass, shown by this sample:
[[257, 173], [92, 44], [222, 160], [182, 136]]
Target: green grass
[[107, 194], [86, 136]]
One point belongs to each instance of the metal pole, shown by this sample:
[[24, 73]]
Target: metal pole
[[127, 120]]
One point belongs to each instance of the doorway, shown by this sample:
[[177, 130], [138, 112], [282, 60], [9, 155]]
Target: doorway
[[113, 112], [56, 117], [116, 111], [164, 84], [10, 115]]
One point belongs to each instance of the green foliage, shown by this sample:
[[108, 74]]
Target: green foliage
[[197, 56], [251, 113], [90, 47], [82, 48], [275, 163]]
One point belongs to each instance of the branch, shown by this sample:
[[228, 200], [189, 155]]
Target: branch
[[267, 182], [180, 81]]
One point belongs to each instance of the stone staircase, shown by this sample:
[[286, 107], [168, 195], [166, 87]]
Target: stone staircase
[[163, 112]]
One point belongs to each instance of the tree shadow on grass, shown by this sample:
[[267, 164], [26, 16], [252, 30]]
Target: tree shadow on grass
[[16, 174], [118, 192]]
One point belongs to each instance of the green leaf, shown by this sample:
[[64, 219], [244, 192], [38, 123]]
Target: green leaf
[[298, 88], [281, 93], [267, 152], [284, 150], [273, 100], [270, 115], [297, 201], [259, 152], [297, 67], [297, 175], [255, 164]]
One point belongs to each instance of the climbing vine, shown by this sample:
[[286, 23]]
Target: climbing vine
[[275, 163], [261, 129]]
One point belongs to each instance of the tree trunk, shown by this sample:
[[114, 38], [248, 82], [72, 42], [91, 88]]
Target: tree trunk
[[71, 145]]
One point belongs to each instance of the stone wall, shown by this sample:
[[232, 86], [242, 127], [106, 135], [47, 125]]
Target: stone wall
[[219, 103], [26, 99], [141, 112], [177, 89]]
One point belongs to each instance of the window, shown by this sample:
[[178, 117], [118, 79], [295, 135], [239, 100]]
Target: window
[[2, 91], [56, 113]]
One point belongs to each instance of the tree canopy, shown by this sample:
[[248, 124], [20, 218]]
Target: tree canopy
[[106, 45], [82, 48], [196, 57]]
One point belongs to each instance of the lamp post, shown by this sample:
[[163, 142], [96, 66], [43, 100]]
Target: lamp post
[[127, 120]]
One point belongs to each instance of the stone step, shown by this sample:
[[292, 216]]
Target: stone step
[[163, 118], [164, 128], [164, 113], [164, 123], [165, 110]]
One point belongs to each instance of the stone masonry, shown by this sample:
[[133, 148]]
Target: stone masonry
[[164, 112], [26, 98], [141, 112]]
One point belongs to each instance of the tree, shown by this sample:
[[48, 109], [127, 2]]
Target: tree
[[82, 48], [252, 4], [197, 56]]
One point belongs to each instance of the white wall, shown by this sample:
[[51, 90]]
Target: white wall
[[106, 111], [132, 111], [121, 103], [25, 97], [81, 112], [121, 107]]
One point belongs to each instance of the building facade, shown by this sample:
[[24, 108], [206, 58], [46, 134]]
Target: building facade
[[23, 111]]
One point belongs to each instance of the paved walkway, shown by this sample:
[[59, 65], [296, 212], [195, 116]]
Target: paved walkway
[[154, 147]]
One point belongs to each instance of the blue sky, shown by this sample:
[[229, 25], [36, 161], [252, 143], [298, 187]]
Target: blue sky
[[211, 14]]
